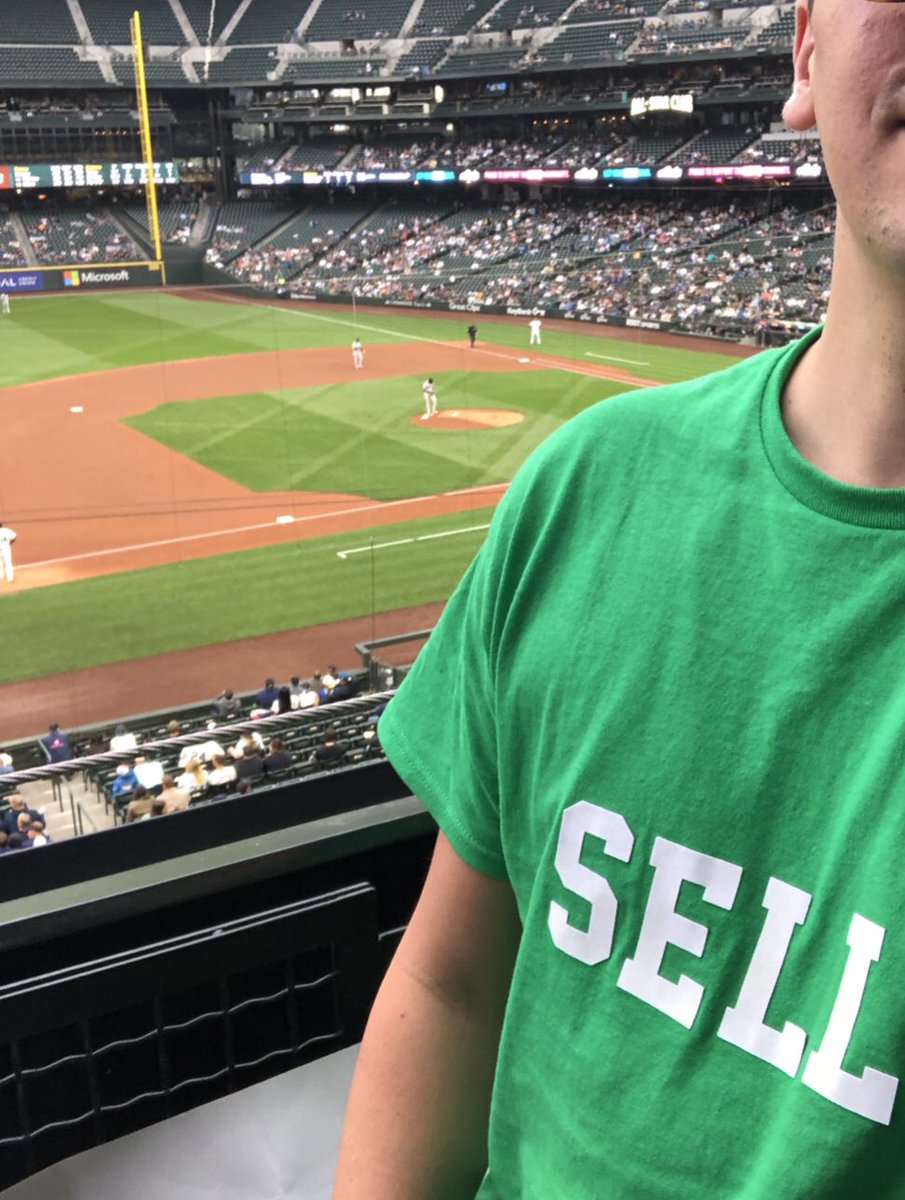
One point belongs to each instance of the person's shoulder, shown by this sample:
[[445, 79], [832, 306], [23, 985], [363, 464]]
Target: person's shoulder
[[711, 407]]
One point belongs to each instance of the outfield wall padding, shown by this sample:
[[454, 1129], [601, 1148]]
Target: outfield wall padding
[[91, 277]]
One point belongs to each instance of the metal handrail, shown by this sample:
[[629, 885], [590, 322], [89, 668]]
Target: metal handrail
[[274, 723]]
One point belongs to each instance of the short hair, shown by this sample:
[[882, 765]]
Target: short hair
[[168, 781], [276, 743], [268, 682]]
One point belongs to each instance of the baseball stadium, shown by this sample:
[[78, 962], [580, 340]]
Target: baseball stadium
[[226, 529]]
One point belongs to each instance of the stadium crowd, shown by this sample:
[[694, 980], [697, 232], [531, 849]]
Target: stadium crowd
[[699, 266]]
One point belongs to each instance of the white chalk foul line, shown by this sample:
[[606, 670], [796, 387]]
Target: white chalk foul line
[[633, 362], [382, 505], [425, 537]]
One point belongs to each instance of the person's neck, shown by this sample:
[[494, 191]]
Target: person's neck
[[844, 405]]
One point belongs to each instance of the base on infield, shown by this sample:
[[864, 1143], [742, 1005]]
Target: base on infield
[[470, 418]]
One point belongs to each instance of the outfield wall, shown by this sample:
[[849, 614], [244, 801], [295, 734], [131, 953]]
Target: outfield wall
[[774, 334], [82, 276]]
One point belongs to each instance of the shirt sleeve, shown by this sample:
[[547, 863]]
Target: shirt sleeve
[[440, 730]]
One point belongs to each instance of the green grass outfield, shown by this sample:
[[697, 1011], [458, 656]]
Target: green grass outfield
[[228, 596], [354, 437]]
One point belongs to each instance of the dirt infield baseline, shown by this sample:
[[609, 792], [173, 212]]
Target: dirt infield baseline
[[108, 498]]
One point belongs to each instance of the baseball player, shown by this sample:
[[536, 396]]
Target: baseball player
[[472, 334], [534, 325], [358, 354], [7, 537], [4, 303], [429, 392]]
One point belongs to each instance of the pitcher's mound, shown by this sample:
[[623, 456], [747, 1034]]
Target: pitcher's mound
[[470, 418]]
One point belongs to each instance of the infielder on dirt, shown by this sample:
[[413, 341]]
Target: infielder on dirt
[[358, 354]]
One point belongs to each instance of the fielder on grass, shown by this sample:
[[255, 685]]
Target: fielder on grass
[[7, 537]]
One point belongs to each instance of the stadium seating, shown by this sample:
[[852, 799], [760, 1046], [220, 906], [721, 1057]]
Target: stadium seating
[[241, 224], [199, 14], [599, 42], [76, 237], [322, 152], [450, 17], [336, 20], [269, 23], [108, 21], [243, 64], [525, 14], [309, 234], [423, 56], [716, 148], [26, 64], [47, 21], [334, 70], [488, 61], [11, 253], [176, 218]]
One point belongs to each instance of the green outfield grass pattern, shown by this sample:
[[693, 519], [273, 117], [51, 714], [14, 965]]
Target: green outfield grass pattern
[[228, 596], [359, 437], [48, 336], [354, 437]]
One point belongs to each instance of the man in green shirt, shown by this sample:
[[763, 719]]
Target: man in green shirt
[[661, 948]]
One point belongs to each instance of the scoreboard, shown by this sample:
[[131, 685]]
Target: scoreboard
[[83, 175]]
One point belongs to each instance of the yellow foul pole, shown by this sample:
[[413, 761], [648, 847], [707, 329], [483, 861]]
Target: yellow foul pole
[[147, 150]]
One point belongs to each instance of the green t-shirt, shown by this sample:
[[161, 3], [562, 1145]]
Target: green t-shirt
[[667, 702]]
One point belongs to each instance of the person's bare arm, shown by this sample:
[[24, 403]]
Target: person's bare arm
[[416, 1125]]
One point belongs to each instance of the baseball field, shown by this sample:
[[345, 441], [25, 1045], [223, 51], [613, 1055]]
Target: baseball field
[[188, 470]]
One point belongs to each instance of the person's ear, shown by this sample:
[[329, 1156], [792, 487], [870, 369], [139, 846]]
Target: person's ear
[[798, 110]]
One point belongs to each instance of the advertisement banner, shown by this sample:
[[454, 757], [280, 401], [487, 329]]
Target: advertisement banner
[[21, 281]]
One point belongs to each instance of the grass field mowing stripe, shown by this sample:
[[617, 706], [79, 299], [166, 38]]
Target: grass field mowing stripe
[[355, 324], [425, 537], [246, 593]]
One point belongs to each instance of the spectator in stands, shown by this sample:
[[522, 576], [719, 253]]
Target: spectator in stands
[[277, 757], [227, 705], [346, 687], [174, 798], [140, 804], [283, 702], [268, 693], [308, 697], [331, 750], [57, 745], [123, 741], [203, 750], [149, 772], [250, 766], [194, 778], [295, 690], [249, 737], [4, 842], [19, 839], [221, 772], [18, 808], [6, 763], [37, 833], [124, 782]]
